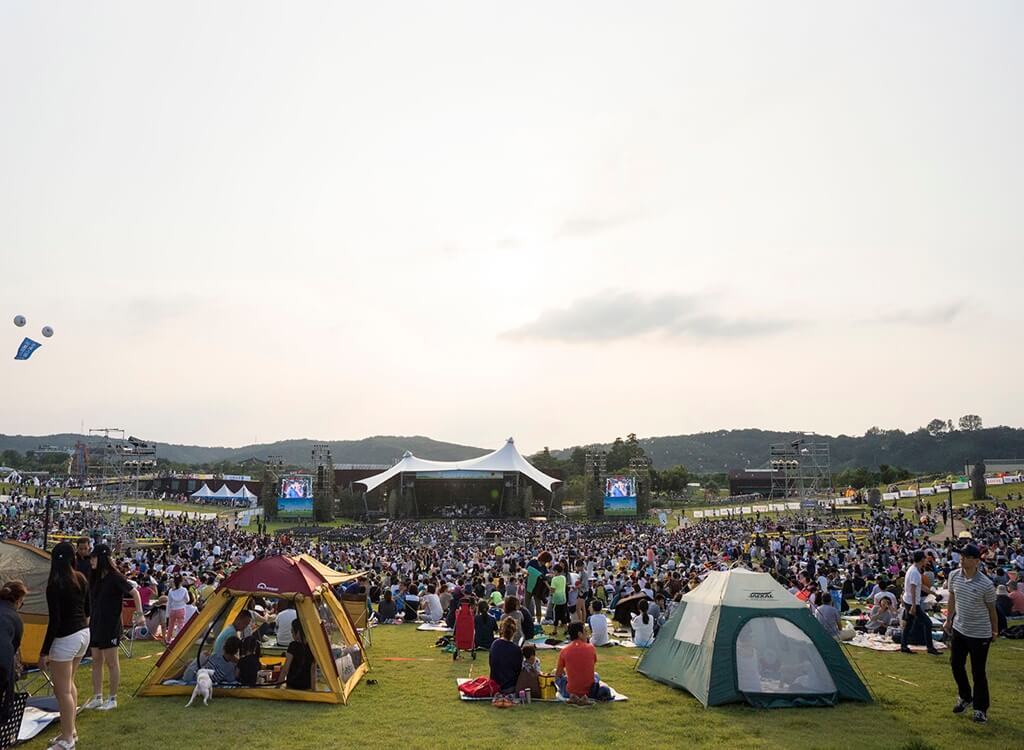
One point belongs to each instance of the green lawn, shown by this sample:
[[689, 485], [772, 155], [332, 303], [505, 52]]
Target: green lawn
[[415, 705]]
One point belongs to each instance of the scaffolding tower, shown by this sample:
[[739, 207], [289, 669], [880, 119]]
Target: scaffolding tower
[[114, 465], [323, 468], [801, 469]]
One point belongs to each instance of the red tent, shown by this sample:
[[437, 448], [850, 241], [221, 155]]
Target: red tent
[[276, 576]]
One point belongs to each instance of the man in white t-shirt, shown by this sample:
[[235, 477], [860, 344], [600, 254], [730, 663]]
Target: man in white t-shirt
[[913, 613], [431, 604], [598, 625], [285, 618]]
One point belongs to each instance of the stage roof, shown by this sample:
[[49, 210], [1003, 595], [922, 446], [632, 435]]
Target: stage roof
[[506, 458]]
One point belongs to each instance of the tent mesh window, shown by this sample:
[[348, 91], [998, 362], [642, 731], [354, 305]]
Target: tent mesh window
[[202, 646], [346, 656], [774, 656]]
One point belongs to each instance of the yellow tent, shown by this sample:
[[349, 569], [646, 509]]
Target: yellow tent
[[31, 566], [328, 630], [329, 574]]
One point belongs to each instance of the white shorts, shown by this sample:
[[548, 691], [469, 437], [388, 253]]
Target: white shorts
[[70, 647]]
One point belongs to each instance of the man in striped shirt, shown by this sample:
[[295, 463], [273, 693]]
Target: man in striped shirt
[[971, 624]]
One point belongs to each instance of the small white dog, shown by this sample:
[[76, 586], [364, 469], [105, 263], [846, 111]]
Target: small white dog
[[204, 687]]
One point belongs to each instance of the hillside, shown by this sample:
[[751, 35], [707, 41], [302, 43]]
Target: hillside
[[706, 452], [372, 450], [918, 451]]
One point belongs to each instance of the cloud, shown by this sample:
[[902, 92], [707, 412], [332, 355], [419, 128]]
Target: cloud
[[610, 316], [936, 315], [588, 226]]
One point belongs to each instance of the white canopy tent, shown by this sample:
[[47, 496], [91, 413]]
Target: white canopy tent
[[505, 459], [245, 494], [202, 492], [224, 493]]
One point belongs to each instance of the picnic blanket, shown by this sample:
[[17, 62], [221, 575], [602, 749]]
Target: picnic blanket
[[616, 697], [39, 714], [540, 644], [877, 642], [435, 627]]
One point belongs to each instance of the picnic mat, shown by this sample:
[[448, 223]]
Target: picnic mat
[[39, 714], [877, 642], [540, 645], [435, 628], [616, 697]]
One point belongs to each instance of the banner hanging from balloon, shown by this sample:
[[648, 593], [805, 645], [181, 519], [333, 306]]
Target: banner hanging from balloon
[[27, 347]]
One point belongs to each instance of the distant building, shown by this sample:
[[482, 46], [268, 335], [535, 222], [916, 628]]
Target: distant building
[[998, 466]]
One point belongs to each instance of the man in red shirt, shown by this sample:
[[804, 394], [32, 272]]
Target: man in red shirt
[[576, 663]]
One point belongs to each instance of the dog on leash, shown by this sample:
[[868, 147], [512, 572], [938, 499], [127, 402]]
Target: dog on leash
[[204, 687]]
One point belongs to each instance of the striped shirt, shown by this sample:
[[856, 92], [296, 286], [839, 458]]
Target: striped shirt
[[972, 599]]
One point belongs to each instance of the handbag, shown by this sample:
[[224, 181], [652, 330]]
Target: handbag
[[481, 687], [529, 680], [547, 686]]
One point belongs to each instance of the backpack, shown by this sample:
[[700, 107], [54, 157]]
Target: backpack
[[481, 687], [541, 589]]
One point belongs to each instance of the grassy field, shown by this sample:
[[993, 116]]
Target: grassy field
[[414, 705]]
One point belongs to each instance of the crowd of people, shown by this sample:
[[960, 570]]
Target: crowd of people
[[520, 576]]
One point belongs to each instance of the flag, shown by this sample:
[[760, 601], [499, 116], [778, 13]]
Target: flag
[[27, 347]]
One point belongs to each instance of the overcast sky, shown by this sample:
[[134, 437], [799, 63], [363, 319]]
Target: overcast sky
[[558, 221]]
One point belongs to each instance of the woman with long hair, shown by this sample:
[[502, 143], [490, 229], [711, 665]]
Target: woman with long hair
[[12, 596], [67, 636], [299, 670], [178, 598], [107, 590]]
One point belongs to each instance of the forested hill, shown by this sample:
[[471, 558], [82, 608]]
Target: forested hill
[[706, 452], [371, 450], [919, 451]]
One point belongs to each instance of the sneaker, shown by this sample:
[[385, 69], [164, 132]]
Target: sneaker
[[905, 650], [961, 706], [95, 702], [980, 717], [934, 652], [108, 705], [580, 700]]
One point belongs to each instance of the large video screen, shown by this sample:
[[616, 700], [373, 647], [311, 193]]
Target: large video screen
[[620, 496], [296, 498]]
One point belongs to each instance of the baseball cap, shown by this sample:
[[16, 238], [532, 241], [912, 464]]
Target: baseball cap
[[971, 550], [101, 550]]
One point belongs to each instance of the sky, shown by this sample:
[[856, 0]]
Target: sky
[[559, 221]]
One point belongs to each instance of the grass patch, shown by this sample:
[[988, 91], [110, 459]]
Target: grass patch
[[414, 705]]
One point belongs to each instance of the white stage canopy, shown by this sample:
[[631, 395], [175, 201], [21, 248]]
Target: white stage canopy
[[505, 459], [203, 491]]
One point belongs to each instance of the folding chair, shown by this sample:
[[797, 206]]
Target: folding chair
[[358, 610], [127, 643], [33, 679], [9, 730]]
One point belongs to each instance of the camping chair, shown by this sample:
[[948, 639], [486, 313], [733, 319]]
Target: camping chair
[[33, 680], [127, 628], [9, 730], [356, 608]]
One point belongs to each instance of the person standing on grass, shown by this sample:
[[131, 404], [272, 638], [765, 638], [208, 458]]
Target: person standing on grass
[[108, 589], [914, 613], [559, 599], [67, 637], [972, 625]]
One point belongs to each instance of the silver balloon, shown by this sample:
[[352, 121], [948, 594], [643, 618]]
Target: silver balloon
[[19, 320], [47, 331]]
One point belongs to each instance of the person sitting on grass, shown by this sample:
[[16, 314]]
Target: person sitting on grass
[[386, 610], [506, 658], [598, 625], [513, 613], [484, 627], [574, 675]]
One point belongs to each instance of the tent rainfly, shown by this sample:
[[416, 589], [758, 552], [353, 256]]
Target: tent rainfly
[[31, 566], [224, 493], [337, 650], [740, 636], [505, 459]]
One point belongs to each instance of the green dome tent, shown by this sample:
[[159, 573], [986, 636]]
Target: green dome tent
[[740, 636]]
